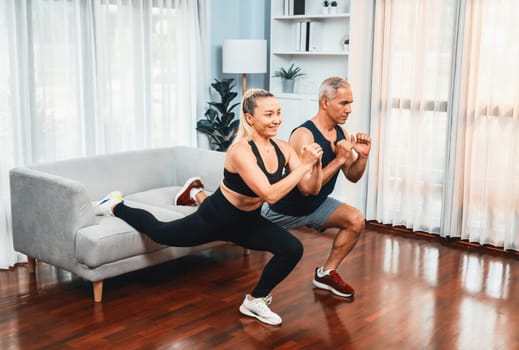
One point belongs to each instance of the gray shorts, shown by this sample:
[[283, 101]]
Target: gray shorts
[[315, 220]]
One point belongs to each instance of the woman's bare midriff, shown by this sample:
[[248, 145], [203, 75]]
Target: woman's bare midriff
[[240, 201]]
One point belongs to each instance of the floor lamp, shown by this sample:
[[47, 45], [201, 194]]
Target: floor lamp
[[244, 57]]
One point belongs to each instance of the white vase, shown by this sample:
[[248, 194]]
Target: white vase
[[346, 48], [333, 10], [326, 10]]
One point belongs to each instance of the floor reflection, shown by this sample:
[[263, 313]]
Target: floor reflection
[[478, 273], [338, 334], [471, 274], [485, 275], [498, 280], [258, 333], [18, 281], [391, 256], [474, 334], [479, 287]]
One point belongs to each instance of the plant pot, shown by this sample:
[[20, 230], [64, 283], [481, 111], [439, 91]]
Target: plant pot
[[326, 10], [346, 48], [333, 10], [288, 86]]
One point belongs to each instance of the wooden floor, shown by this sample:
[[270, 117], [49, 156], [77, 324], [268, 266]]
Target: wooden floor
[[412, 293]]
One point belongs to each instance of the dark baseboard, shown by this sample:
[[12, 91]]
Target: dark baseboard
[[453, 241]]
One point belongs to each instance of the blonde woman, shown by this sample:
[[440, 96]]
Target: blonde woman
[[253, 175]]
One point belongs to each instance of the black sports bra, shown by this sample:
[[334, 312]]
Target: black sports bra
[[235, 182]]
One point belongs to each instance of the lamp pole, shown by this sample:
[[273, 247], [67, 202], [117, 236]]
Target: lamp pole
[[243, 83]]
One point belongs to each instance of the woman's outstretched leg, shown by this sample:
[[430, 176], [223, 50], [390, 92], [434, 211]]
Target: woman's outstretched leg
[[188, 231]]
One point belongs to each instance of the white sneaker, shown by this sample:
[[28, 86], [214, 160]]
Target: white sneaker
[[258, 308], [104, 206]]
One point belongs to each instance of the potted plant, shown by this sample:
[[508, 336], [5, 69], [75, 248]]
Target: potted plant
[[326, 7], [288, 75], [333, 7], [220, 124]]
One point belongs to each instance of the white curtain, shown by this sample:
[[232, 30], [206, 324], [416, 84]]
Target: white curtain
[[484, 169], [445, 104], [89, 77], [412, 73]]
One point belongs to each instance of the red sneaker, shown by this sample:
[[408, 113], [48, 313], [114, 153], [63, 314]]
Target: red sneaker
[[334, 283], [184, 195]]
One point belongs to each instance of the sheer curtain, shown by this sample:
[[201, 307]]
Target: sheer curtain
[[89, 77], [412, 74], [484, 171], [151, 69], [445, 106]]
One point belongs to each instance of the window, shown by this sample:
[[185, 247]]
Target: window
[[447, 111]]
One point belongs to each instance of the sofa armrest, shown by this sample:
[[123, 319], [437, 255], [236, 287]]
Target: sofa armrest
[[47, 210]]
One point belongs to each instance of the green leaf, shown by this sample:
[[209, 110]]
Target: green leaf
[[235, 124], [204, 127], [211, 114], [290, 73], [220, 122]]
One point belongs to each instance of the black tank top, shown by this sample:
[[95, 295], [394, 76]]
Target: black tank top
[[235, 182], [296, 204]]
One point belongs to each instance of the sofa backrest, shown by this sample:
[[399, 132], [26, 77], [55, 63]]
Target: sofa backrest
[[199, 162], [140, 170]]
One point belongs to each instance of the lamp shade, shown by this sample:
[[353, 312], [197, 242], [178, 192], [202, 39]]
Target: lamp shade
[[244, 56]]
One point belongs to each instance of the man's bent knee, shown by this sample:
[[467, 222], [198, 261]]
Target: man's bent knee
[[360, 219], [354, 221], [358, 222]]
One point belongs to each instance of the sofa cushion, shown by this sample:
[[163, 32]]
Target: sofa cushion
[[160, 197], [112, 239]]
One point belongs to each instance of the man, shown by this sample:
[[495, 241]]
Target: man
[[342, 152]]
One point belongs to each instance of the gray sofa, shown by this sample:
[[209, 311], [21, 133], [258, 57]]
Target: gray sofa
[[54, 222]]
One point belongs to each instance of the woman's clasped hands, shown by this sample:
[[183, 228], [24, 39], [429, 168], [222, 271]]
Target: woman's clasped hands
[[312, 153]]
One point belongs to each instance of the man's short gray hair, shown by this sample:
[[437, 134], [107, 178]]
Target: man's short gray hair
[[330, 86]]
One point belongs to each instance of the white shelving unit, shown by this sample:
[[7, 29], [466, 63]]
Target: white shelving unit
[[329, 60]]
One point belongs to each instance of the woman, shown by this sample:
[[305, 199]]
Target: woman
[[253, 174]]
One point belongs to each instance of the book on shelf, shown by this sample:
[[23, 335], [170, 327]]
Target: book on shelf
[[309, 36], [299, 7], [303, 35], [288, 7], [315, 37], [293, 7], [298, 36]]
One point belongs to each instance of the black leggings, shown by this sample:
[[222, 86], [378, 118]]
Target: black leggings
[[218, 220]]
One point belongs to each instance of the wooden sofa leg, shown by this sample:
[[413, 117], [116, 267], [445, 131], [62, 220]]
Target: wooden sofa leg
[[98, 291], [31, 264], [246, 251]]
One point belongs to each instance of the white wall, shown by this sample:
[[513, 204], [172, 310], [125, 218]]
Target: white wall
[[238, 19]]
